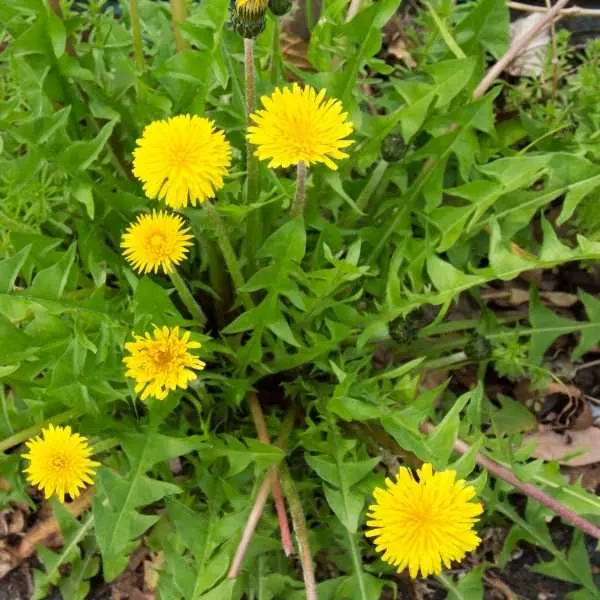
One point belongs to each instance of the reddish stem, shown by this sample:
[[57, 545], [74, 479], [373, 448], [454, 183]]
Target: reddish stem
[[263, 435], [528, 489]]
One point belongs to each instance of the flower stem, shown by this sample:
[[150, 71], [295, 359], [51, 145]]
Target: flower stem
[[187, 298], [263, 435], [250, 75], [259, 503], [254, 233], [136, 33], [357, 565], [300, 199], [179, 15], [251, 523], [229, 256], [251, 160], [299, 522], [275, 52], [25, 434], [308, 10]]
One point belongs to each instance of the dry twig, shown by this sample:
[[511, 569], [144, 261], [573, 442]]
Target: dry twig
[[572, 11], [517, 47]]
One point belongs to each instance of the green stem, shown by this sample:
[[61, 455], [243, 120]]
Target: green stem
[[250, 76], [179, 15], [308, 9], [219, 281], [229, 255], [301, 531], [136, 33], [251, 160], [363, 198], [275, 52], [187, 298], [25, 434], [254, 233], [300, 198], [358, 566]]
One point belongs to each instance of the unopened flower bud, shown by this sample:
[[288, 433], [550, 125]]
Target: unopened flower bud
[[247, 24], [280, 7], [392, 148], [478, 348]]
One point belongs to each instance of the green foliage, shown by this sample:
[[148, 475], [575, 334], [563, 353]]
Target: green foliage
[[74, 533], [339, 313]]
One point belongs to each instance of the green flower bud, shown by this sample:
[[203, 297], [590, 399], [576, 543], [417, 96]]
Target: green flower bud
[[478, 348], [404, 330], [280, 7], [246, 24], [392, 148]]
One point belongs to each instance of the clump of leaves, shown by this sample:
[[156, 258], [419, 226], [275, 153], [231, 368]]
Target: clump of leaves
[[305, 319]]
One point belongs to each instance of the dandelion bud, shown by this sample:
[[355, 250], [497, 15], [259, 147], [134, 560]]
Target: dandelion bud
[[404, 330], [248, 17], [247, 25], [280, 7], [392, 148], [478, 348]]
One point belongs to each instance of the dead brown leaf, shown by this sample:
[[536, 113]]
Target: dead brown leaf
[[47, 531], [152, 569], [511, 296], [559, 406], [589, 475], [13, 519], [517, 296], [295, 50], [551, 445], [398, 50], [560, 299]]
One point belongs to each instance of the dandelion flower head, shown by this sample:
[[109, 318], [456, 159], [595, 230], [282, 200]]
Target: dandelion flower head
[[162, 362], [300, 124], [182, 160], [251, 7], [426, 523], [59, 462], [156, 240]]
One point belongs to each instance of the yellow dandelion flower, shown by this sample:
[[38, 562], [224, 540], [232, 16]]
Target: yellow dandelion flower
[[59, 462], [156, 240], [299, 124], [161, 362], [251, 6], [182, 160], [422, 524]]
